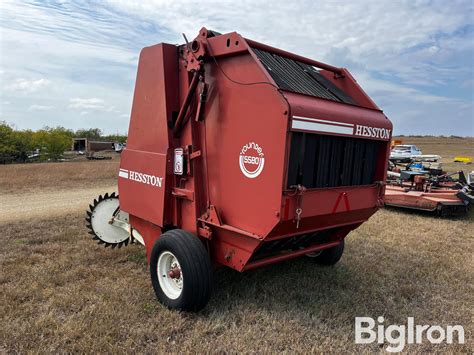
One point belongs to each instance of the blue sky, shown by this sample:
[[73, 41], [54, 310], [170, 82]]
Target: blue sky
[[74, 63]]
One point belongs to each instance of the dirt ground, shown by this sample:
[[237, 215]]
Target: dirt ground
[[61, 292], [48, 203]]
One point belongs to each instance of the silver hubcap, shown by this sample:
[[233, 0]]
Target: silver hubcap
[[170, 275]]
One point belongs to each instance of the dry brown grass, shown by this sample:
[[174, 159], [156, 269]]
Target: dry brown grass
[[63, 293], [17, 178]]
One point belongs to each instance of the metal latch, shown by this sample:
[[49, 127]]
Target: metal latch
[[299, 190]]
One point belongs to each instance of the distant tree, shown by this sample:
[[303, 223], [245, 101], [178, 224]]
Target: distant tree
[[18, 145], [52, 142], [7, 148], [91, 133], [68, 132], [115, 138], [58, 142], [24, 144], [14, 145]]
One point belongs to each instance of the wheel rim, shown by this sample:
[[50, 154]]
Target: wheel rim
[[170, 275], [314, 254]]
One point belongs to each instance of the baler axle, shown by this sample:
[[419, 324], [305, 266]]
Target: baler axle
[[175, 273]]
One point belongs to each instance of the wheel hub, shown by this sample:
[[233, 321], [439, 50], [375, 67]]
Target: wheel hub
[[170, 276], [106, 223], [175, 273]]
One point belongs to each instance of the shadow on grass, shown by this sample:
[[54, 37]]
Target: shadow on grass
[[297, 284], [395, 284]]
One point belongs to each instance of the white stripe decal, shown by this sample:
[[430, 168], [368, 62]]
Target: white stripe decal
[[123, 174], [324, 121], [314, 126]]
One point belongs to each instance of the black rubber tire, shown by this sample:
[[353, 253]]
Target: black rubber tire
[[196, 269], [330, 256]]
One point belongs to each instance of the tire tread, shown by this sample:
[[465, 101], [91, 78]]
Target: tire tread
[[194, 259]]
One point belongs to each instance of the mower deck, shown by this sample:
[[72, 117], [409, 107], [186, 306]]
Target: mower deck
[[445, 201]]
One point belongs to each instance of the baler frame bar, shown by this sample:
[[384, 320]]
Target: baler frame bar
[[289, 255], [184, 108]]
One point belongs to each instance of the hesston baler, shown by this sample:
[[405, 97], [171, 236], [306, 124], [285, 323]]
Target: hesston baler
[[242, 155]]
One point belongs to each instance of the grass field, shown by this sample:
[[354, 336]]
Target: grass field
[[63, 293]]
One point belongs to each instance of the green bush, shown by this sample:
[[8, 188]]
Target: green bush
[[18, 146], [15, 146], [52, 142]]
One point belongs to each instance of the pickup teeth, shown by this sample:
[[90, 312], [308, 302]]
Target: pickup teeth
[[88, 218]]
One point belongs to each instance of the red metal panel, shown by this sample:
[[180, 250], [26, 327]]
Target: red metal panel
[[142, 185], [328, 117], [228, 44], [289, 255], [232, 249], [156, 96], [311, 224], [318, 202], [246, 129], [149, 232]]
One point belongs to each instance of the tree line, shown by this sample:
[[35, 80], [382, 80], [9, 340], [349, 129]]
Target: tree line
[[50, 143]]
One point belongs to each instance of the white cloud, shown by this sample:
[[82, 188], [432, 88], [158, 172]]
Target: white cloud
[[412, 57], [28, 86], [370, 31], [92, 103], [40, 108], [384, 88]]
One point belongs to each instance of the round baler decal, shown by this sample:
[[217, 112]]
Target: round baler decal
[[251, 160]]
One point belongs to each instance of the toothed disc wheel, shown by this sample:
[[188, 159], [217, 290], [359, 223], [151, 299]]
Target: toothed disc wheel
[[99, 219]]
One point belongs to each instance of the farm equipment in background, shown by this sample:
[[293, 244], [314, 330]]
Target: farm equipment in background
[[95, 150], [424, 186], [408, 153], [465, 160], [241, 155], [395, 142]]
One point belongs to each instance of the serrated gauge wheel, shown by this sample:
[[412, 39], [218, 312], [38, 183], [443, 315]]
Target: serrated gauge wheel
[[98, 220]]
